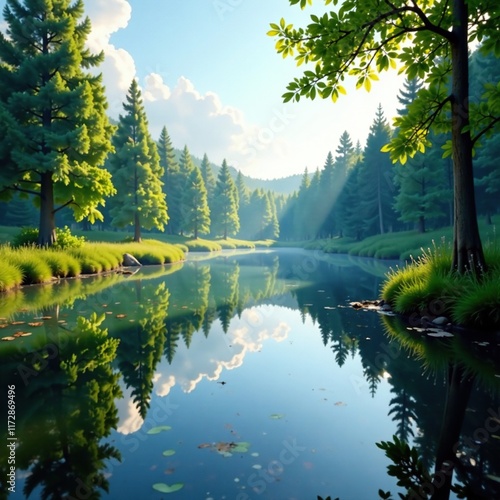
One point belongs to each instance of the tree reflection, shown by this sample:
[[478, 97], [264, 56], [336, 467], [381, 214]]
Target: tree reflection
[[465, 446], [142, 342], [65, 404]]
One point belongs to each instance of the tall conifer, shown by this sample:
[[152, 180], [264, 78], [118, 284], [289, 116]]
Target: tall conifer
[[54, 132]]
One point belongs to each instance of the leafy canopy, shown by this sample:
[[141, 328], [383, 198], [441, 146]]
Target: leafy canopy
[[362, 39]]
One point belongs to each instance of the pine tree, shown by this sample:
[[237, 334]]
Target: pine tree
[[195, 209], [375, 180], [327, 193], [300, 229], [209, 179], [54, 131], [408, 94], [225, 219], [344, 162], [172, 182], [135, 167], [421, 180]]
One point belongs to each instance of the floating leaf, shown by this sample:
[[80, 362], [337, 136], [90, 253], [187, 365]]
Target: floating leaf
[[165, 488], [8, 338], [36, 323], [46, 317], [257, 466], [160, 428], [276, 416], [340, 403], [204, 445], [240, 447], [17, 322], [168, 453], [3, 325], [121, 315]]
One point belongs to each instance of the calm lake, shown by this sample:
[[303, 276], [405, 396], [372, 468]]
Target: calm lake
[[244, 375]]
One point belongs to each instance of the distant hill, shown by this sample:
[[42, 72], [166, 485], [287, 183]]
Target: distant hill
[[285, 185]]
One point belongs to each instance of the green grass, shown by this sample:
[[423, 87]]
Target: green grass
[[11, 275], [29, 260], [427, 286], [29, 265]]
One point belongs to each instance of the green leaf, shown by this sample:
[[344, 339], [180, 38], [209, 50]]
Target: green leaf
[[168, 453], [165, 488]]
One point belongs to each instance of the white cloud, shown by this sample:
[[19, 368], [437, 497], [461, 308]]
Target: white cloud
[[208, 357], [118, 68], [129, 419]]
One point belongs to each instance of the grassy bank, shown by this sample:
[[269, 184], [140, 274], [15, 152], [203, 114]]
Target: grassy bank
[[29, 265], [102, 252], [402, 245], [427, 288]]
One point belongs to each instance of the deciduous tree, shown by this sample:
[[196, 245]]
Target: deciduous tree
[[428, 40]]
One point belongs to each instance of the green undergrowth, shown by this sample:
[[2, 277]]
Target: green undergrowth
[[403, 245], [428, 287], [30, 265]]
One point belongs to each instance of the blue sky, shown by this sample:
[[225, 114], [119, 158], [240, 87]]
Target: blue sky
[[210, 74]]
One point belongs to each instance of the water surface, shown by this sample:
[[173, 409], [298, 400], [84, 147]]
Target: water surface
[[240, 376]]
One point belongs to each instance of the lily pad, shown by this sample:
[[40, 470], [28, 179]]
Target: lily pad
[[241, 447], [160, 428], [168, 453], [165, 488]]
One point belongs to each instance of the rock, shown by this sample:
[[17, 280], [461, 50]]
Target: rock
[[440, 320], [130, 261]]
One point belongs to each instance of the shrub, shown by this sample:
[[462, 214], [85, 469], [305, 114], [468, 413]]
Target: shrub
[[28, 236]]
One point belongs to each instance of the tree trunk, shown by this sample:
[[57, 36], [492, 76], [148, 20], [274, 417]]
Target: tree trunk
[[137, 227], [467, 249], [47, 227], [421, 224]]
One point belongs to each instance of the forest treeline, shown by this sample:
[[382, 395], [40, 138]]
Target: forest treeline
[[358, 192]]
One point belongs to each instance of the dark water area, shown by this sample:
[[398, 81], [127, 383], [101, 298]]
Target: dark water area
[[244, 375]]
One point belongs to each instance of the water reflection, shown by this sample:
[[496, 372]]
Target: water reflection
[[182, 326], [460, 452], [65, 391]]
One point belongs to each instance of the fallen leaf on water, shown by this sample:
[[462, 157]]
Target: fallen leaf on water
[[3, 325], [36, 323], [17, 322], [8, 338], [121, 315], [204, 445], [340, 403], [168, 453], [46, 317]]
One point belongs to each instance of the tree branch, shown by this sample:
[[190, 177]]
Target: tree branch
[[485, 130], [72, 201]]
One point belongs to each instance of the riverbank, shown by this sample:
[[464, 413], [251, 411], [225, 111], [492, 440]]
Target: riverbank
[[103, 251], [402, 245], [30, 265]]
